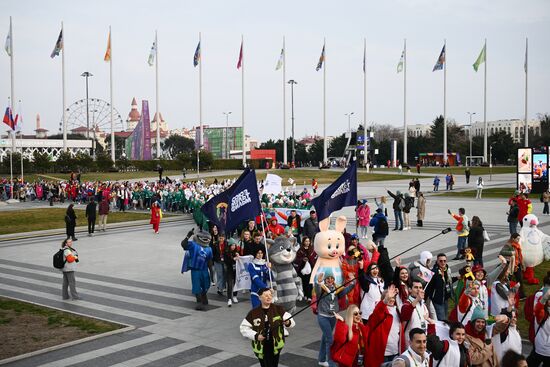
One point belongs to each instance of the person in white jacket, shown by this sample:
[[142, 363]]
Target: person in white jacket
[[508, 339], [541, 351], [479, 187]]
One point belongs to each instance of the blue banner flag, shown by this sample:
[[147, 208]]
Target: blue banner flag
[[233, 206], [341, 193], [197, 57], [440, 60]]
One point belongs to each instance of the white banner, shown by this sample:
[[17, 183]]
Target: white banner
[[242, 277], [272, 184]]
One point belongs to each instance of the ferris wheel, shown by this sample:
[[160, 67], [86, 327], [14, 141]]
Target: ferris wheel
[[97, 112]]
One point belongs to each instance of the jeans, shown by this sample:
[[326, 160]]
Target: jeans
[[460, 245], [363, 231], [327, 325], [379, 241], [478, 193], [398, 219], [513, 226], [441, 310], [546, 210], [220, 275]]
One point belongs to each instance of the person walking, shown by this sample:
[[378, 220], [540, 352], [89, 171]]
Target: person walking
[[437, 180], [448, 181], [156, 215], [103, 214], [513, 214], [479, 187], [70, 257], [467, 173], [218, 246], [363, 218], [420, 209], [264, 326], [230, 256], [398, 205], [409, 203], [439, 289], [541, 351], [70, 222], [350, 339], [476, 239], [545, 198], [311, 226], [381, 228], [304, 263], [382, 205], [462, 230], [91, 215]]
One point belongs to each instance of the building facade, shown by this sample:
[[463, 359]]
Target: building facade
[[514, 127]]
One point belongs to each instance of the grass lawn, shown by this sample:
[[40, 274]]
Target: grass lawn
[[476, 171], [303, 176], [27, 220], [26, 327], [493, 192]]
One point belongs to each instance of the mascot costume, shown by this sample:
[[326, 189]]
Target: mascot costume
[[287, 283], [535, 247], [198, 255], [329, 246]]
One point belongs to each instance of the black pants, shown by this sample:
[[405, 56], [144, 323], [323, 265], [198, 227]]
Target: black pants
[[535, 359], [518, 275], [307, 288], [70, 231], [230, 281], [546, 209], [270, 359], [91, 225]]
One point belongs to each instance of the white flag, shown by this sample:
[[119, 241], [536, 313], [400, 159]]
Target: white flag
[[281, 60], [272, 184], [7, 46], [152, 54], [242, 276]]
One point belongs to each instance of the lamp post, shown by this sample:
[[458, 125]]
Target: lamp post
[[86, 75], [470, 133], [491, 162], [292, 82], [227, 133], [349, 121]]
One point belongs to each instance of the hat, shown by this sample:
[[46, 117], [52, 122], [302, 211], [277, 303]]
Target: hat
[[232, 241], [365, 201], [477, 314], [425, 256], [477, 268], [354, 236]]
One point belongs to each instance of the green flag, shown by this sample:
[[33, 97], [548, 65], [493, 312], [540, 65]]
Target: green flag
[[480, 59]]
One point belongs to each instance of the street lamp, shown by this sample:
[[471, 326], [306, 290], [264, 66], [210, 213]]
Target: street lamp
[[226, 133], [292, 82], [470, 133], [491, 162], [86, 75], [349, 121]]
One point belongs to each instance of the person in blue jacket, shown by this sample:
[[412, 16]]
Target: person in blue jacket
[[259, 276]]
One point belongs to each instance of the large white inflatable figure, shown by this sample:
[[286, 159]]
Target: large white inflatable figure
[[535, 247]]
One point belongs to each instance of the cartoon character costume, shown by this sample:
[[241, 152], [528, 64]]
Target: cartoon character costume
[[329, 246], [535, 247], [198, 255]]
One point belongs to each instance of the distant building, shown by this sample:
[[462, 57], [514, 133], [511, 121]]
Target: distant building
[[222, 142], [514, 127], [418, 130]]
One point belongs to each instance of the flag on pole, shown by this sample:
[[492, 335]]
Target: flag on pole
[[197, 56], [321, 60], [401, 61], [281, 59], [107, 56], [240, 62], [341, 193], [8, 118], [440, 60], [480, 59], [19, 118], [7, 46], [58, 45], [152, 54], [365, 58], [525, 63]]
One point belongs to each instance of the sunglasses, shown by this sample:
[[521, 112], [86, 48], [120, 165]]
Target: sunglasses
[[357, 313]]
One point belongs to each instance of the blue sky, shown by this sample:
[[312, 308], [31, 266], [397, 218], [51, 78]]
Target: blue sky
[[425, 24]]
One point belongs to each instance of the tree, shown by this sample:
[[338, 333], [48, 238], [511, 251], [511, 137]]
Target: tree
[[176, 144], [315, 152], [120, 146], [337, 146], [41, 161], [104, 162], [504, 148]]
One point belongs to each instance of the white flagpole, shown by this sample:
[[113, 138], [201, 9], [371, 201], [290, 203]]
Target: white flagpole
[[405, 132], [445, 104], [21, 140], [157, 93], [324, 102], [365, 150], [201, 128], [12, 85], [111, 91], [63, 88], [242, 102], [526, 121], [485, 106], [285, 148], [266, 252]]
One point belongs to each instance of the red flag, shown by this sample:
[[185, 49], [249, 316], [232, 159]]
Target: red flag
[[239, 64], [8, 118]]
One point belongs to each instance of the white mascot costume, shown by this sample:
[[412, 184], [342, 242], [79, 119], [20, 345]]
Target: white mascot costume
[[535, 247]]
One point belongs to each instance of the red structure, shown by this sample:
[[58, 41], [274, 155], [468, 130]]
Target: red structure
[[263, 154]]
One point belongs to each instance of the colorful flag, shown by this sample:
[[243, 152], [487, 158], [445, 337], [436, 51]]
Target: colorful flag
[[480, 59], [197, 57], [281, 59], [440, 61], [7, 46], [239, 64], [8, 118], [240, 202], [401, 62], [152, 54], [321, 60], [58, 45], [19, 118], [341, 193], [108, 52]]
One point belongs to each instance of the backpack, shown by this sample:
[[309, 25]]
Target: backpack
[[383, 227], [401, 204], [58, 261]]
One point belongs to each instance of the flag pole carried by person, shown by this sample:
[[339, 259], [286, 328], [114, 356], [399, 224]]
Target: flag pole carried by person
[[441, 64], [402, 67], [109, 58], [482, 58], [322, 65], [240, 65], [365, 148], [281, 63], [526, 79]]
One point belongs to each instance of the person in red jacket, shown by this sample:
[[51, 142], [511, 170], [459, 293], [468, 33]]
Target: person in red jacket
[[525, 207], [275, 228], [155, 217], [349, 348]]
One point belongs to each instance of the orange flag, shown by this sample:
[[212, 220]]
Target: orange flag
[[108, 52]]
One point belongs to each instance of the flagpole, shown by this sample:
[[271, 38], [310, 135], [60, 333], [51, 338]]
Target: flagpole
[[445, 158], [63, 88], [405, 132], [485, 106], [21, 136], [113, 158], [12, 86], [285, 148], [242, 102], [365, 150], [526, 69], [157, 93], [201, 131], [324, 103]]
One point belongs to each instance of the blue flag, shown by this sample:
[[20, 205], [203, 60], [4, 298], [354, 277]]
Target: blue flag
[[197, 56], [341, 193], [440, 60], [233, 206]]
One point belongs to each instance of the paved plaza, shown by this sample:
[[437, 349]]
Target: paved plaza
[[131, 276]]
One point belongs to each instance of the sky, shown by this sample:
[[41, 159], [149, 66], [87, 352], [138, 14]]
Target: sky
[[385, 24]]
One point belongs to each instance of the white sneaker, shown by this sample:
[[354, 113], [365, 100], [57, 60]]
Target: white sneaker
[[229, 303], [325, 364], [235, 300]]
